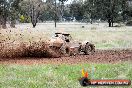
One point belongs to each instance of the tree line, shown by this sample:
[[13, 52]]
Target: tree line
[[34, 11]]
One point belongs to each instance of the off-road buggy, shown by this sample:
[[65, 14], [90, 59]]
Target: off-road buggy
[[64, 44]]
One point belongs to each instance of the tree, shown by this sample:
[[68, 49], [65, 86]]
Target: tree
[[90, 9], [124, 10], [1, 13], [127, 10], [76, 10], [34, 9], [4, 10], [53, 10], [14, 11], [62, 8], [8, 9], [109, 10]]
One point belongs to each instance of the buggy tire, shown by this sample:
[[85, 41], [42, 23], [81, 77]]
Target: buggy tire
[[89, 48], [65, 50]]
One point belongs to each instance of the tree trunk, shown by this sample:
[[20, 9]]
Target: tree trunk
[[4, 22], [109, 21], [4, 17], [124, 18], [62, 11], [0, 22], [34, 21], [112, 22], [13, 24], [34, 24], [34, 17], [109, 24], [91, 21]]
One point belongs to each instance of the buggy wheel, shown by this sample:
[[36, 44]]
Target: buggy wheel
[[89, 49], [65, 50]]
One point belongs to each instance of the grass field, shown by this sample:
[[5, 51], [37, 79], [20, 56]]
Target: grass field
[[60, 76], [64, 75]]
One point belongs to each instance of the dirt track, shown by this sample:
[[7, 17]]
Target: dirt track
[[100, 56]]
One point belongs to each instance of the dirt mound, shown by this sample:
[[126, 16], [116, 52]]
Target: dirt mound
[[24, 49], [100, 56]]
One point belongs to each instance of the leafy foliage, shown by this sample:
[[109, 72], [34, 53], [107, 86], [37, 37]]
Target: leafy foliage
[[112, 11], [9, 9], [108, 10]]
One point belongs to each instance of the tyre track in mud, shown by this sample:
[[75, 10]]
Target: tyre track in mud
[[100, 56]]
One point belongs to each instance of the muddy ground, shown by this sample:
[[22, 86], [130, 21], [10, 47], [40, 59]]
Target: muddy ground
[[100, 56]]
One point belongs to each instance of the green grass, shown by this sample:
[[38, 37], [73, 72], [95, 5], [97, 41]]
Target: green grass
[[60, 76]]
